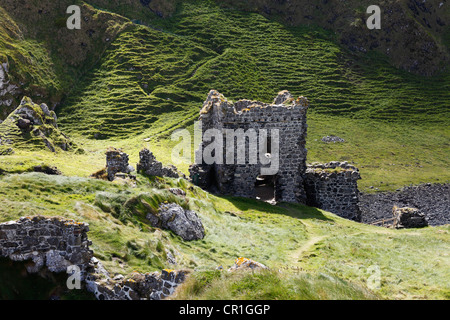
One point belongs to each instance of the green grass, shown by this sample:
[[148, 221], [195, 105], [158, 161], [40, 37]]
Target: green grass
[[269, 285], [291, 238], [149, 81]]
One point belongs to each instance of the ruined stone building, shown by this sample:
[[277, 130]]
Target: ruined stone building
[[275, 132], [333, 187]]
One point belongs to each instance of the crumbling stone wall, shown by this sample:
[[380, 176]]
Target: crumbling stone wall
[[148, 286], [333, 187], [286, 114], [150, 166], [116, 161], [55, 243]]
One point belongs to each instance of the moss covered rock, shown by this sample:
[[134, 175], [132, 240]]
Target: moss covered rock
[[31, 125]]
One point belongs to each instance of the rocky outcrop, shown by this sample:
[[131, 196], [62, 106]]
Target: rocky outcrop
[[7, 90], [150, 166], [247, 264], [54, 243], [51, 170], [35, 125], [184, 223]]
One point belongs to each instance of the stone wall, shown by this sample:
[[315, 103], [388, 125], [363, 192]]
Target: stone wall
[[138, 286], [150, 166], [333, 187], [55, 243], [117, 162], [286, 114]]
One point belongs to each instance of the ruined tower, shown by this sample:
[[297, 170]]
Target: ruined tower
[[273, 137]]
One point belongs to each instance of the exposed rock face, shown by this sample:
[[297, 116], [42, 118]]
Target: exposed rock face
[[247, 264], [149, 286], [7, 90], [54, 243], [333, 187], [150, 166], [409, 218], [34, 123], [184, 223], [117, 162]]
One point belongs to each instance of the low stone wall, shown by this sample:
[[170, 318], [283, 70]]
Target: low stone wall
[[149, 286], [117, 161], [333, 187], [55, 243], [150, 166]]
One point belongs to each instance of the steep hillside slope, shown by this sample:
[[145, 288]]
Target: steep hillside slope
[[248, 56], [43, 58], [414, 34]]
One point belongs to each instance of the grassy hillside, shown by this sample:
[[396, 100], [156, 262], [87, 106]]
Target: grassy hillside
[[151, 77], [310, 247]]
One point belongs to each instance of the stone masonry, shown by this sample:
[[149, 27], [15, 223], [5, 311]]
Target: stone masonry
[[150, 166], [333, 187], [117, 161], [137, 286], [55, 243], [286, 114]]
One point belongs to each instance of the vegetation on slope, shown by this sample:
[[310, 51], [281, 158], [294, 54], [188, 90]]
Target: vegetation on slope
[[133, 90], [311, 247]]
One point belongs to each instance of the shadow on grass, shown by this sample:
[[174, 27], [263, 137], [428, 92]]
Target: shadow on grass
[[297, 211]]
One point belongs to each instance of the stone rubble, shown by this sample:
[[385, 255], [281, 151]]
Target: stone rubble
[[409, 218]]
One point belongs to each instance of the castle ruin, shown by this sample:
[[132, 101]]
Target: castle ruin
[[277, 132], [286, 117]]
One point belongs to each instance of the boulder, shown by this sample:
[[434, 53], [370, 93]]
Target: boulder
[[24, 124], [409, 218], [247, 264], [184, 223]]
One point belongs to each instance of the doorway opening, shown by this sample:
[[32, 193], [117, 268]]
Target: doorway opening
[[265, 189]]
